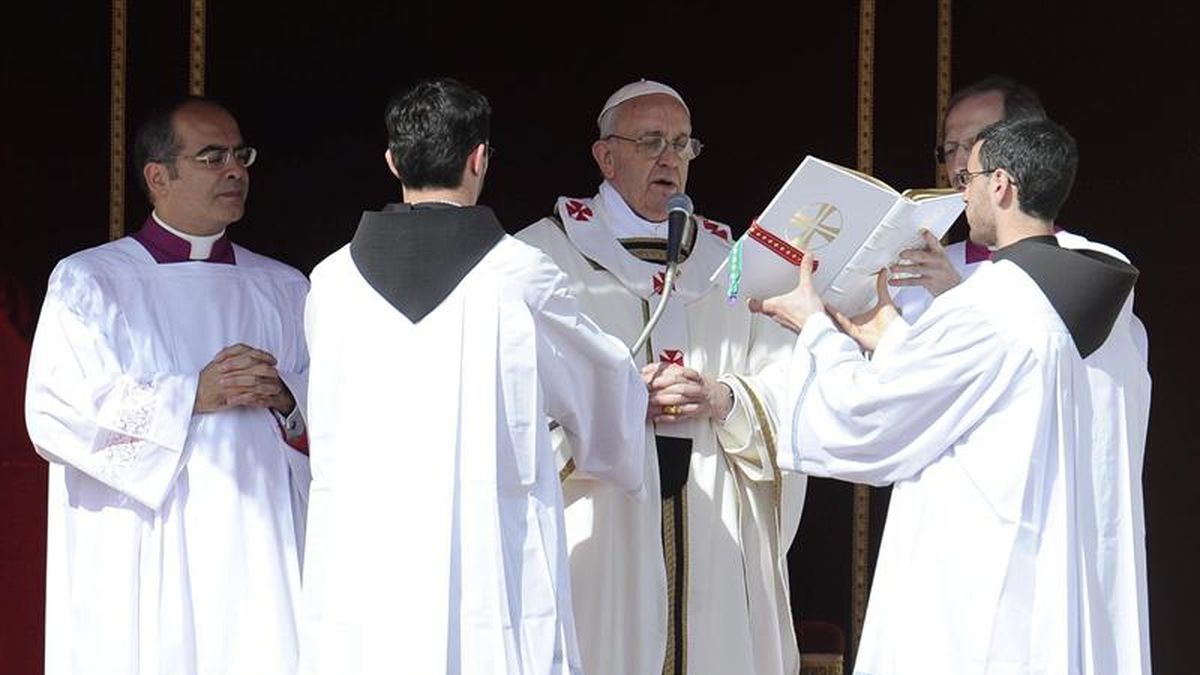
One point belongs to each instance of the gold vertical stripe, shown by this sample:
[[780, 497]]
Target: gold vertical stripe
[[943, 78], [683, 573], [670, 666], [116, 119], [860, 541], [866, 85], [567, 470], [649, 339], [764, 424], [196, 49]]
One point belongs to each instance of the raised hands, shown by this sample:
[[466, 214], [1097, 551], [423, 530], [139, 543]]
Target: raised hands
[[928, 267], [867, 328], [792, 309]]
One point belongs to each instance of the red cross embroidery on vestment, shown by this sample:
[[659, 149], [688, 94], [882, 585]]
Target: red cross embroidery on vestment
[[716, 229], [658, 281], [579, 211], [672, 356]]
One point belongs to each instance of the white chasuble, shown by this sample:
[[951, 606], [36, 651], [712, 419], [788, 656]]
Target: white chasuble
[[1014, 540], [694, 582], [173, 538], [436, 538]]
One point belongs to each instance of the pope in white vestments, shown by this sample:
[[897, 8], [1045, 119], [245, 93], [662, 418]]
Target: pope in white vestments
[[176, 497], [693, 580], [1011, 420]]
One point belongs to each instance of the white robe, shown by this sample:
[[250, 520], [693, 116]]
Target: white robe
[[173, 539], [912, 301], [1013, 542], [740, 515], [435, 536]]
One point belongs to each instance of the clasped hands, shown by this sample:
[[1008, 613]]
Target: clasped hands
[[241, 375], [678, 393]]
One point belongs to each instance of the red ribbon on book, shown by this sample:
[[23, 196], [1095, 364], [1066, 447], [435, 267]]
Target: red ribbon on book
[[778, 246]]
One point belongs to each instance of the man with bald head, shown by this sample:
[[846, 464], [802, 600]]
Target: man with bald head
[[693, 579], [165, 386]]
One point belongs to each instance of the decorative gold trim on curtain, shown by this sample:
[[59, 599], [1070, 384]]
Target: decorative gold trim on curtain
[[945, 23], [116, 124], [860, 536], [196, 49]]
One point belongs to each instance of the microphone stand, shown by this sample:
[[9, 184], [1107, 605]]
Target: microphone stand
[[679, 215], [668, 282]]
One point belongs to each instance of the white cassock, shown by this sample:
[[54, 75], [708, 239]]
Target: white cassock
[[173, 539], [697, 582], [1014, 540], [436, 538]]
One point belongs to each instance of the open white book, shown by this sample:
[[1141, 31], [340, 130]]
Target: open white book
[[852, 224]]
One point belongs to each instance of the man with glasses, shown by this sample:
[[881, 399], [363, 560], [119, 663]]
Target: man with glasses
[[929, 272], [1011, 419], [693, 579], [165, 388]]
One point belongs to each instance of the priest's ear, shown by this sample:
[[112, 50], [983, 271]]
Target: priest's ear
[[605, 160], [387, 156], [477, 161], [158, 176]]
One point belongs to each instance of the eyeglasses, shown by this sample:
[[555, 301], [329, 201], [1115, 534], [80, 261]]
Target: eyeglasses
[[216, 158], [491, 150], [963, 178], [653, 145], [948, 149]]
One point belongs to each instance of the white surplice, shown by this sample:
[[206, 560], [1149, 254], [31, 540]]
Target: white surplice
[[739, 515], [435, 535], [173, 538], [1014, 541], [912, 301]]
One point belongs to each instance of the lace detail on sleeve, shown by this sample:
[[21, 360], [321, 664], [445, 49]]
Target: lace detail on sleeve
[[117, 454], [137, 408]]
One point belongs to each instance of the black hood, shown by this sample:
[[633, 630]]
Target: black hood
[[1086, 288], [416, 256]]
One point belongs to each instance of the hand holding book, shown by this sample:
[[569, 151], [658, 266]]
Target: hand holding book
[[853, 225]]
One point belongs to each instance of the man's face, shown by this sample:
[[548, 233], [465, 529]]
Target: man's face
[[202, 199], [644, 180], [964, 122], [981, 213]]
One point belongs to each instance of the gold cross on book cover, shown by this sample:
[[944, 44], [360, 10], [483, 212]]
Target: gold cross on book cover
[[852, 224]]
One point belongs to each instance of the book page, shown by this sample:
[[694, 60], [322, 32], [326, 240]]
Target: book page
[[853, 291], [824, 209]]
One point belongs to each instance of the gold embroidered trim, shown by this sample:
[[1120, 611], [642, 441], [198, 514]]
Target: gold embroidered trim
[[196, 49], [116, 125], [860, 543], [764, 423], [943, 78], [567, 470], [676, 560]]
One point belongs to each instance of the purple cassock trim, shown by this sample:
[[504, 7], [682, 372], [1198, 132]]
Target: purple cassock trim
[[976, 253], [165, 247]]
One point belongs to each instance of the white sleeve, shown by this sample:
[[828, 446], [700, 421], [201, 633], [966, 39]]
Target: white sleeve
[[593, 390], [748, 435], [882, 420], [124, 429]]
